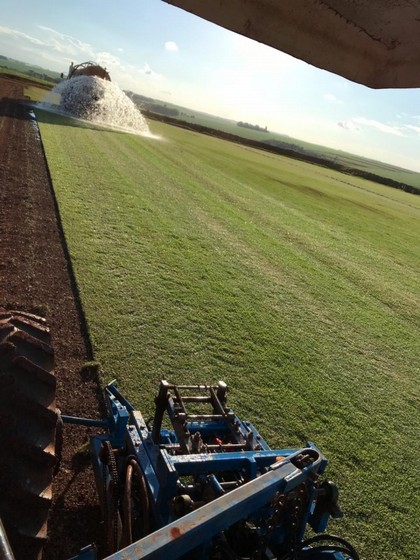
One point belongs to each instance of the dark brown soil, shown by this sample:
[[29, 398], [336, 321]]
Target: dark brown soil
[[36, 276]]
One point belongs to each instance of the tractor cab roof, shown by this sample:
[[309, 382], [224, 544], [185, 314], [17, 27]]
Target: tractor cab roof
[[372, 42]]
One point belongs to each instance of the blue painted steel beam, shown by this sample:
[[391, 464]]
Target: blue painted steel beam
[[112, 388], [200, 463], [147, 454], [118, 418], [194, 529]]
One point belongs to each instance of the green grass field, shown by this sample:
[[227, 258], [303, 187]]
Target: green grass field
[[26, 77], [199, 260], [336, 156], [10, 64]]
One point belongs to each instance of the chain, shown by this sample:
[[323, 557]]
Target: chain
[[111, 495], [296, 519]]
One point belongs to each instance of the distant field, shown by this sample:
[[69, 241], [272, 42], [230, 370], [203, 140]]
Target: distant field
[[225, 125], [199, 260], [28, 69], [372, 166], [35, 93], [336, 156], [26, 77]]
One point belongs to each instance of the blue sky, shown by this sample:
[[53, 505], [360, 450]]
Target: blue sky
[[160, 51]]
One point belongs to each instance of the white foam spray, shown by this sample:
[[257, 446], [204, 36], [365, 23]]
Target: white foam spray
[[97, 101]]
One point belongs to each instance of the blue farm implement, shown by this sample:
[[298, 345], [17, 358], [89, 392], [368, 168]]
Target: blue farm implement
[[196, 482]]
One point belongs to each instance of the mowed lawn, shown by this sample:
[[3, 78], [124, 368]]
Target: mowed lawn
[[199, 260]]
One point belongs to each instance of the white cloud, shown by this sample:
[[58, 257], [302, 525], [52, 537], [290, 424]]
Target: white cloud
[[414, 128], [410, 127], [331, 98], [107, 59], [382, 127], [349, 125], [47, 47], [171, 46], [66, 44], [148, 71], [55, 50], [13, 33], [356, 123]]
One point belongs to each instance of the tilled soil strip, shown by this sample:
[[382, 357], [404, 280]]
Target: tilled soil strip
[[36, 276]]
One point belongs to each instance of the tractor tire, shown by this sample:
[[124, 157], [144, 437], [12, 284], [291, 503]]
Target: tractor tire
[[28, 421]]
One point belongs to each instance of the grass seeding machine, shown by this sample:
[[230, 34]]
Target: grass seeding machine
[[193, 482]]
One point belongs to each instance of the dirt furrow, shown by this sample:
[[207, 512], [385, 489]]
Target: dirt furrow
[[35, 275]]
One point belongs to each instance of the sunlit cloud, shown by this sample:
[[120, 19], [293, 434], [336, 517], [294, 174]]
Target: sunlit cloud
[[357, 123], [382, 127], [410, 127], [171, 46], [349, 125], [413, 128], [331, 98], [49, 45], [59, 49], [148, 71], [107, 59], [14, 34], [67, 45]]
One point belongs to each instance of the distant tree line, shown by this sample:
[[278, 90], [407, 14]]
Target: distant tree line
[[252, 126], [162, 109], [149, 104], [40, 76], [27, 71], [37, 75], [288, 146]]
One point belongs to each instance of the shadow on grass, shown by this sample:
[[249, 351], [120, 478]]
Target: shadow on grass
[[49, 117], [44, 116]]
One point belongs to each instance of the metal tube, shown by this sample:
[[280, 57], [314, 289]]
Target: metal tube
[[5, 548], [202, 417], [196, 399], [84, 421]]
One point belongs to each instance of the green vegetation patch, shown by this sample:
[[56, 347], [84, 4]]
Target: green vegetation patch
[[199, 260], [11, 65], [336, 159], [35, 93], [26, 77]]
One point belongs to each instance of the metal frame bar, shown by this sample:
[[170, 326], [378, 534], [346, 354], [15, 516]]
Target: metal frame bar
[[264, 470], [5, 548], [192, 530]]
